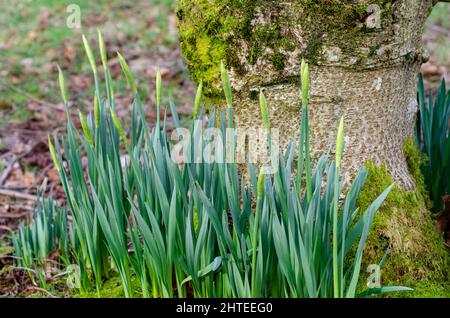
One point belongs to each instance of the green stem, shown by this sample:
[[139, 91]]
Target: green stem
[[307, 156], [255, 241], [335, 232]]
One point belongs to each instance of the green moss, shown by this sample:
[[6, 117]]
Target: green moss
[[361, 9], [211, 31], [278, 60], [415, 159], [405, 228], [336, 18], [426, 289], [5, 250], [206, 34], [112, 288]]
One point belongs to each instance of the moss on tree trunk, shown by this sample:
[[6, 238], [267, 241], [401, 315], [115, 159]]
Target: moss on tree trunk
[[405, 229], [365, 57]]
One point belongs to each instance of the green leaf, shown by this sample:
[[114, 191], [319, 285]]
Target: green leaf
[[383, 290], [210, 268], [96, 111]]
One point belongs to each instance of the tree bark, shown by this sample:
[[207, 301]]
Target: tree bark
[[364, 56]]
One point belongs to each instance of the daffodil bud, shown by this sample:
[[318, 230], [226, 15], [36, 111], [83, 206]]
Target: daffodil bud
[[62, 85], [340, 142], [53, 154], [304, 75], [198, 99], [260, 186], [101, 44], [126, 71], [118, 126], [90, 55], [85, 127], [264, 110]]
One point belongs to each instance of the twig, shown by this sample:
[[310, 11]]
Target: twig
[[12, 215], [41, 290], [6, 228], [37, 100], [42, 175], [11, 163], [25, 196], [43, 186], [7, 170], [19, 195]]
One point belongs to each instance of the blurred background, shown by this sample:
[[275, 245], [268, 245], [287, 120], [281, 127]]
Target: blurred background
[[34, 39], [437, 41]]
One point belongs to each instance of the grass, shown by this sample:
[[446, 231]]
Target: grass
[[40, 40]]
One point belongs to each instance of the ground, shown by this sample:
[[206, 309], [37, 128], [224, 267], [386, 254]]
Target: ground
[[34, 39], [37, 40]]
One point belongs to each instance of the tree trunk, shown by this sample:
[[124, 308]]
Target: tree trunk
[[364, 56]]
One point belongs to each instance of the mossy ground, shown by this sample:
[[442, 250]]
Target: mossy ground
[[112, 288], [417, 256]]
